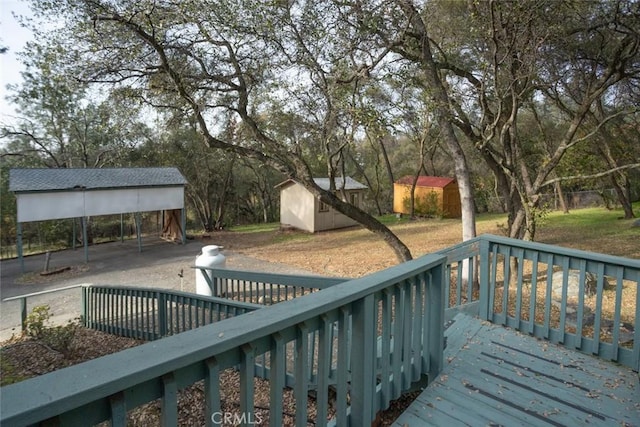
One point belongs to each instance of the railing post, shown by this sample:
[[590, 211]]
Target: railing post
[[84, 305], [23, 313], [435, 312], [484, 261], [363, 354], [162, 314]]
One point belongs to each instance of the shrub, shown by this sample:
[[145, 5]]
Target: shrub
[[59, 338]]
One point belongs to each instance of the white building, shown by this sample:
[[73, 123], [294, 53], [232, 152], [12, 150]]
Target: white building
[[301, 209]]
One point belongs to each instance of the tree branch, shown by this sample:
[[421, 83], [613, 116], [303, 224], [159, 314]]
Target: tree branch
[[596, 175]]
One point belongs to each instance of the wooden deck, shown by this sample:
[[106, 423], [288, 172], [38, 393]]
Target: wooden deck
[[495, 376]]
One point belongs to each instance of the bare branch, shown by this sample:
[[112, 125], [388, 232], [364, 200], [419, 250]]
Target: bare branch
[[596, 175]]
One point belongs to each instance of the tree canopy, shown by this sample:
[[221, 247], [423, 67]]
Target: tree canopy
[[515, 91]]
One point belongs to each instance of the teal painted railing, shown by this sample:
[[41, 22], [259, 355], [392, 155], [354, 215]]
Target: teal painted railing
[[386, 322], [262, 288], [150, 314], [601, 319], [383, 331], [24, 300]]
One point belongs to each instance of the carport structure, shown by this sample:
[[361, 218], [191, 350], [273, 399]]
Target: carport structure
[[49, 194]]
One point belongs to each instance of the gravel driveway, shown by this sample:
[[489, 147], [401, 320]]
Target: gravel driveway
[[158, 265]]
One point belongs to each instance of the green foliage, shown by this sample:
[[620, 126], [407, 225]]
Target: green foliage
[[392, 219], [427, 205], [37, 320], [59, 338], [256, 228]]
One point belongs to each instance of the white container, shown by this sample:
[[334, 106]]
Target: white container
[[212, 258]]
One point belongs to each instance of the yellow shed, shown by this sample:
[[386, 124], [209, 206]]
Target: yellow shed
[[434, 195]]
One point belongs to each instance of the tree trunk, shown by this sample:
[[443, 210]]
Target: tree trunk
[[442, 113], [622, 191], [560, 193]]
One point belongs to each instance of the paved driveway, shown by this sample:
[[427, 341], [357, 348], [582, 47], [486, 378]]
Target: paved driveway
[[158, 265]]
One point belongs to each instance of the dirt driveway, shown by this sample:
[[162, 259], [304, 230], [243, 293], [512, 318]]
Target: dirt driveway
[[158, 265]]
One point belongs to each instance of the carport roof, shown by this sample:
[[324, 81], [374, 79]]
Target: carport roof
[[29, 180]]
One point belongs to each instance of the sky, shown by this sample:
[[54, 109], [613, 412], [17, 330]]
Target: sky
[[14, 37]]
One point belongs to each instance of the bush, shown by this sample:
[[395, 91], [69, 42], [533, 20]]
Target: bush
[[427, 206], [59, 338]]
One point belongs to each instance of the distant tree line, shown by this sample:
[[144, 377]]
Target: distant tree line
[[513, 99]]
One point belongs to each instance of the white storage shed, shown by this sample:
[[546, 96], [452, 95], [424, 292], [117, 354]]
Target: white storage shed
[[300, 209]]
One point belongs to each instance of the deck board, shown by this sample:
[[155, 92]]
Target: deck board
[[496, 376]]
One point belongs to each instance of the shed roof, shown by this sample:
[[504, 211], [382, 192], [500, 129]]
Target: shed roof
[[349, 183], [29, 180], [426, 181]]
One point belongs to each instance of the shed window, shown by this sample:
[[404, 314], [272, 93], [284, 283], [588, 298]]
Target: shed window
[[354, 199], [322, 206]]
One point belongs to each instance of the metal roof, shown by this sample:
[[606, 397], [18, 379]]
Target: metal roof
[[27, 180], [426, 181], [349, 183]]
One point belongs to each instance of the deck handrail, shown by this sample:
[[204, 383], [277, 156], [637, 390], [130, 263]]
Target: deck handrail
[[581, 322], [406, 301], [25, 297], [262, 288], [152, 313]]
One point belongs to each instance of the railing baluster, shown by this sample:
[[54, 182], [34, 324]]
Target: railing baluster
[[534, 292], [385, 390], [459, 275], [301, 388], [485, 274], [519, 286], [580, 313], [343, 367], [615, 340], [118, 408], [246, 381], [595, 349], [435, 313], [113, 308], [169, 401], [563, 304], [363, 372], [636, 327], [396, 359], [471, 277], [493, 283], [547, 299], [406, 335], [448, 287], [416, 320], [212, 392], [506, 268], [277, 374], [324, 370], [183, 310]]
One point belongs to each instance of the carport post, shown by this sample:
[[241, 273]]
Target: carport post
[[183, 218], [85, 242], [138, 231], [121, 228], [19, 245]]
